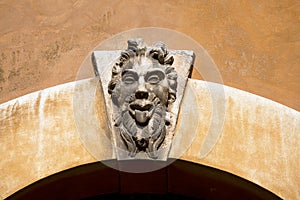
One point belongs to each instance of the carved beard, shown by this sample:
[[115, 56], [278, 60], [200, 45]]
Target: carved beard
[[147, 137]]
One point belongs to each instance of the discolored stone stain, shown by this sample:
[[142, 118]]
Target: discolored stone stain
[[54, 50], [201, 112], [15, 112], [1, 75], [37, 104]]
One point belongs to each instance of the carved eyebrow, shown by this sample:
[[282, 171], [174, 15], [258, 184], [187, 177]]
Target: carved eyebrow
[[155, 70], [129, 72], [158, 71]]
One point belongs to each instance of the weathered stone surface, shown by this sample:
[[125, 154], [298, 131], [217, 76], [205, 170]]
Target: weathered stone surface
[[38, 136], [260, 140], [143, 88]]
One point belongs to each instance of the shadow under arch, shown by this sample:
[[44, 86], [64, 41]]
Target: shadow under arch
[[179, 180]]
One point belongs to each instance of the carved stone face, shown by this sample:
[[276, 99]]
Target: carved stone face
[[142, 87]]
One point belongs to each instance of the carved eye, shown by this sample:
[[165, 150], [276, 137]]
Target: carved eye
[[153, 79], [129, 76], [128, 79]]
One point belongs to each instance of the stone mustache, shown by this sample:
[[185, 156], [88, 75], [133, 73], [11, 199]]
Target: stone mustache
[[142, 88]]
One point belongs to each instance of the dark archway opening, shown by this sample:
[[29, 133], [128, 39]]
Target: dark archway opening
[[179, 180]]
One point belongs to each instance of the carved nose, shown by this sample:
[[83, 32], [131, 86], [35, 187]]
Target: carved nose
[[141, 94]]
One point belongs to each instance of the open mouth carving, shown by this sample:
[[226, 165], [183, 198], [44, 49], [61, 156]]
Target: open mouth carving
[[141, 111], [140, 107]]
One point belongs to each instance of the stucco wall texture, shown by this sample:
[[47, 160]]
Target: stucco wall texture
[[255, 43]]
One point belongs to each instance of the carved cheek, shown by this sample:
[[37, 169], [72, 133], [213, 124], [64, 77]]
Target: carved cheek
[[164, 89], [164, 83], [127, 90], [160, 91], [165, 93]]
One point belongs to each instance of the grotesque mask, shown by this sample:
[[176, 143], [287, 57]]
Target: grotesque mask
[[142, 88]]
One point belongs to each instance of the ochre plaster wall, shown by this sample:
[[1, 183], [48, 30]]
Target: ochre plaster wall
[[259, 141], [254, 43]]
